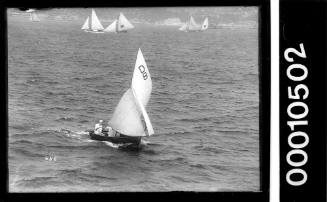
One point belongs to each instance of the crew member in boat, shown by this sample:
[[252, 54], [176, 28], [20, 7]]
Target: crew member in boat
[[98, 128], [111, 132]]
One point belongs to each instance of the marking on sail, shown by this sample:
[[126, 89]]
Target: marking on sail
[[143, 72]]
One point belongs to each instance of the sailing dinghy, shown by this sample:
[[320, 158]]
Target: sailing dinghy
[[121, 24], [33, 16], [92, 24], [192, 26], [183, 27], [205, 24], [130, 120]]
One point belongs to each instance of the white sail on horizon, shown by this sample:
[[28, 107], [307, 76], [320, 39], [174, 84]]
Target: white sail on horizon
[[86, 24], [30, 10], [34, 17], [205, 24], [95, 22], [183, 27], [123, 24], [191, 25], [127, 117], [111, 27]]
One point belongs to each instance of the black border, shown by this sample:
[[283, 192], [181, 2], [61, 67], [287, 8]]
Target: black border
[[264, 104], [304, 21]]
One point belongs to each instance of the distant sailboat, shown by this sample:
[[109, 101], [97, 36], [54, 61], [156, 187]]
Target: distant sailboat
[[192, 26], [183, 27], [120, 25], [86, 24], [34, 17], [30, 10], [93, 25], [131, 107], [205, 24], [111, 27], [130, 118]]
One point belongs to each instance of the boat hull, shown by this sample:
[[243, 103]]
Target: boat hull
[[122, 139], [92, 31], [125, 31]]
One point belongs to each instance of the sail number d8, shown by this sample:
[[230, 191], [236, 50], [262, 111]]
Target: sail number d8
[[143, 72], [297, 112]]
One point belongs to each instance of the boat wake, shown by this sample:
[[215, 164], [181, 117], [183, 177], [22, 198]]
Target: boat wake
[[145, 142], [80, 135], [128, 146], [110, 144]]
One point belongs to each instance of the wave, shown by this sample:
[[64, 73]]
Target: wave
[[219, 167], [22, 127], [145, 142], [173, 160], [75, 147], [110, 144], [150, 152], [65, 118], [27, 153], [233, 132], [51, 82], [93, 78], [21, 142], [182, 179], [78, 173], [80, 135], [59, 108], [38, 182], [195, 120], [176, 133], [198, 166], [212, 150]]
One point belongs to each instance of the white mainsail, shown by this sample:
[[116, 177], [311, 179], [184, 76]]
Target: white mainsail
[[34, 17], [193, 26], [95, 22], [123, 24], [86, 24], [205, 24], [111, 27], [127, 117]]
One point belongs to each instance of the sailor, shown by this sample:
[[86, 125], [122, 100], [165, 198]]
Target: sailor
[[116, 134], [98, 128], [111, 132]]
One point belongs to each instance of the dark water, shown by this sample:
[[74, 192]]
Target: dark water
[[203, 107]]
